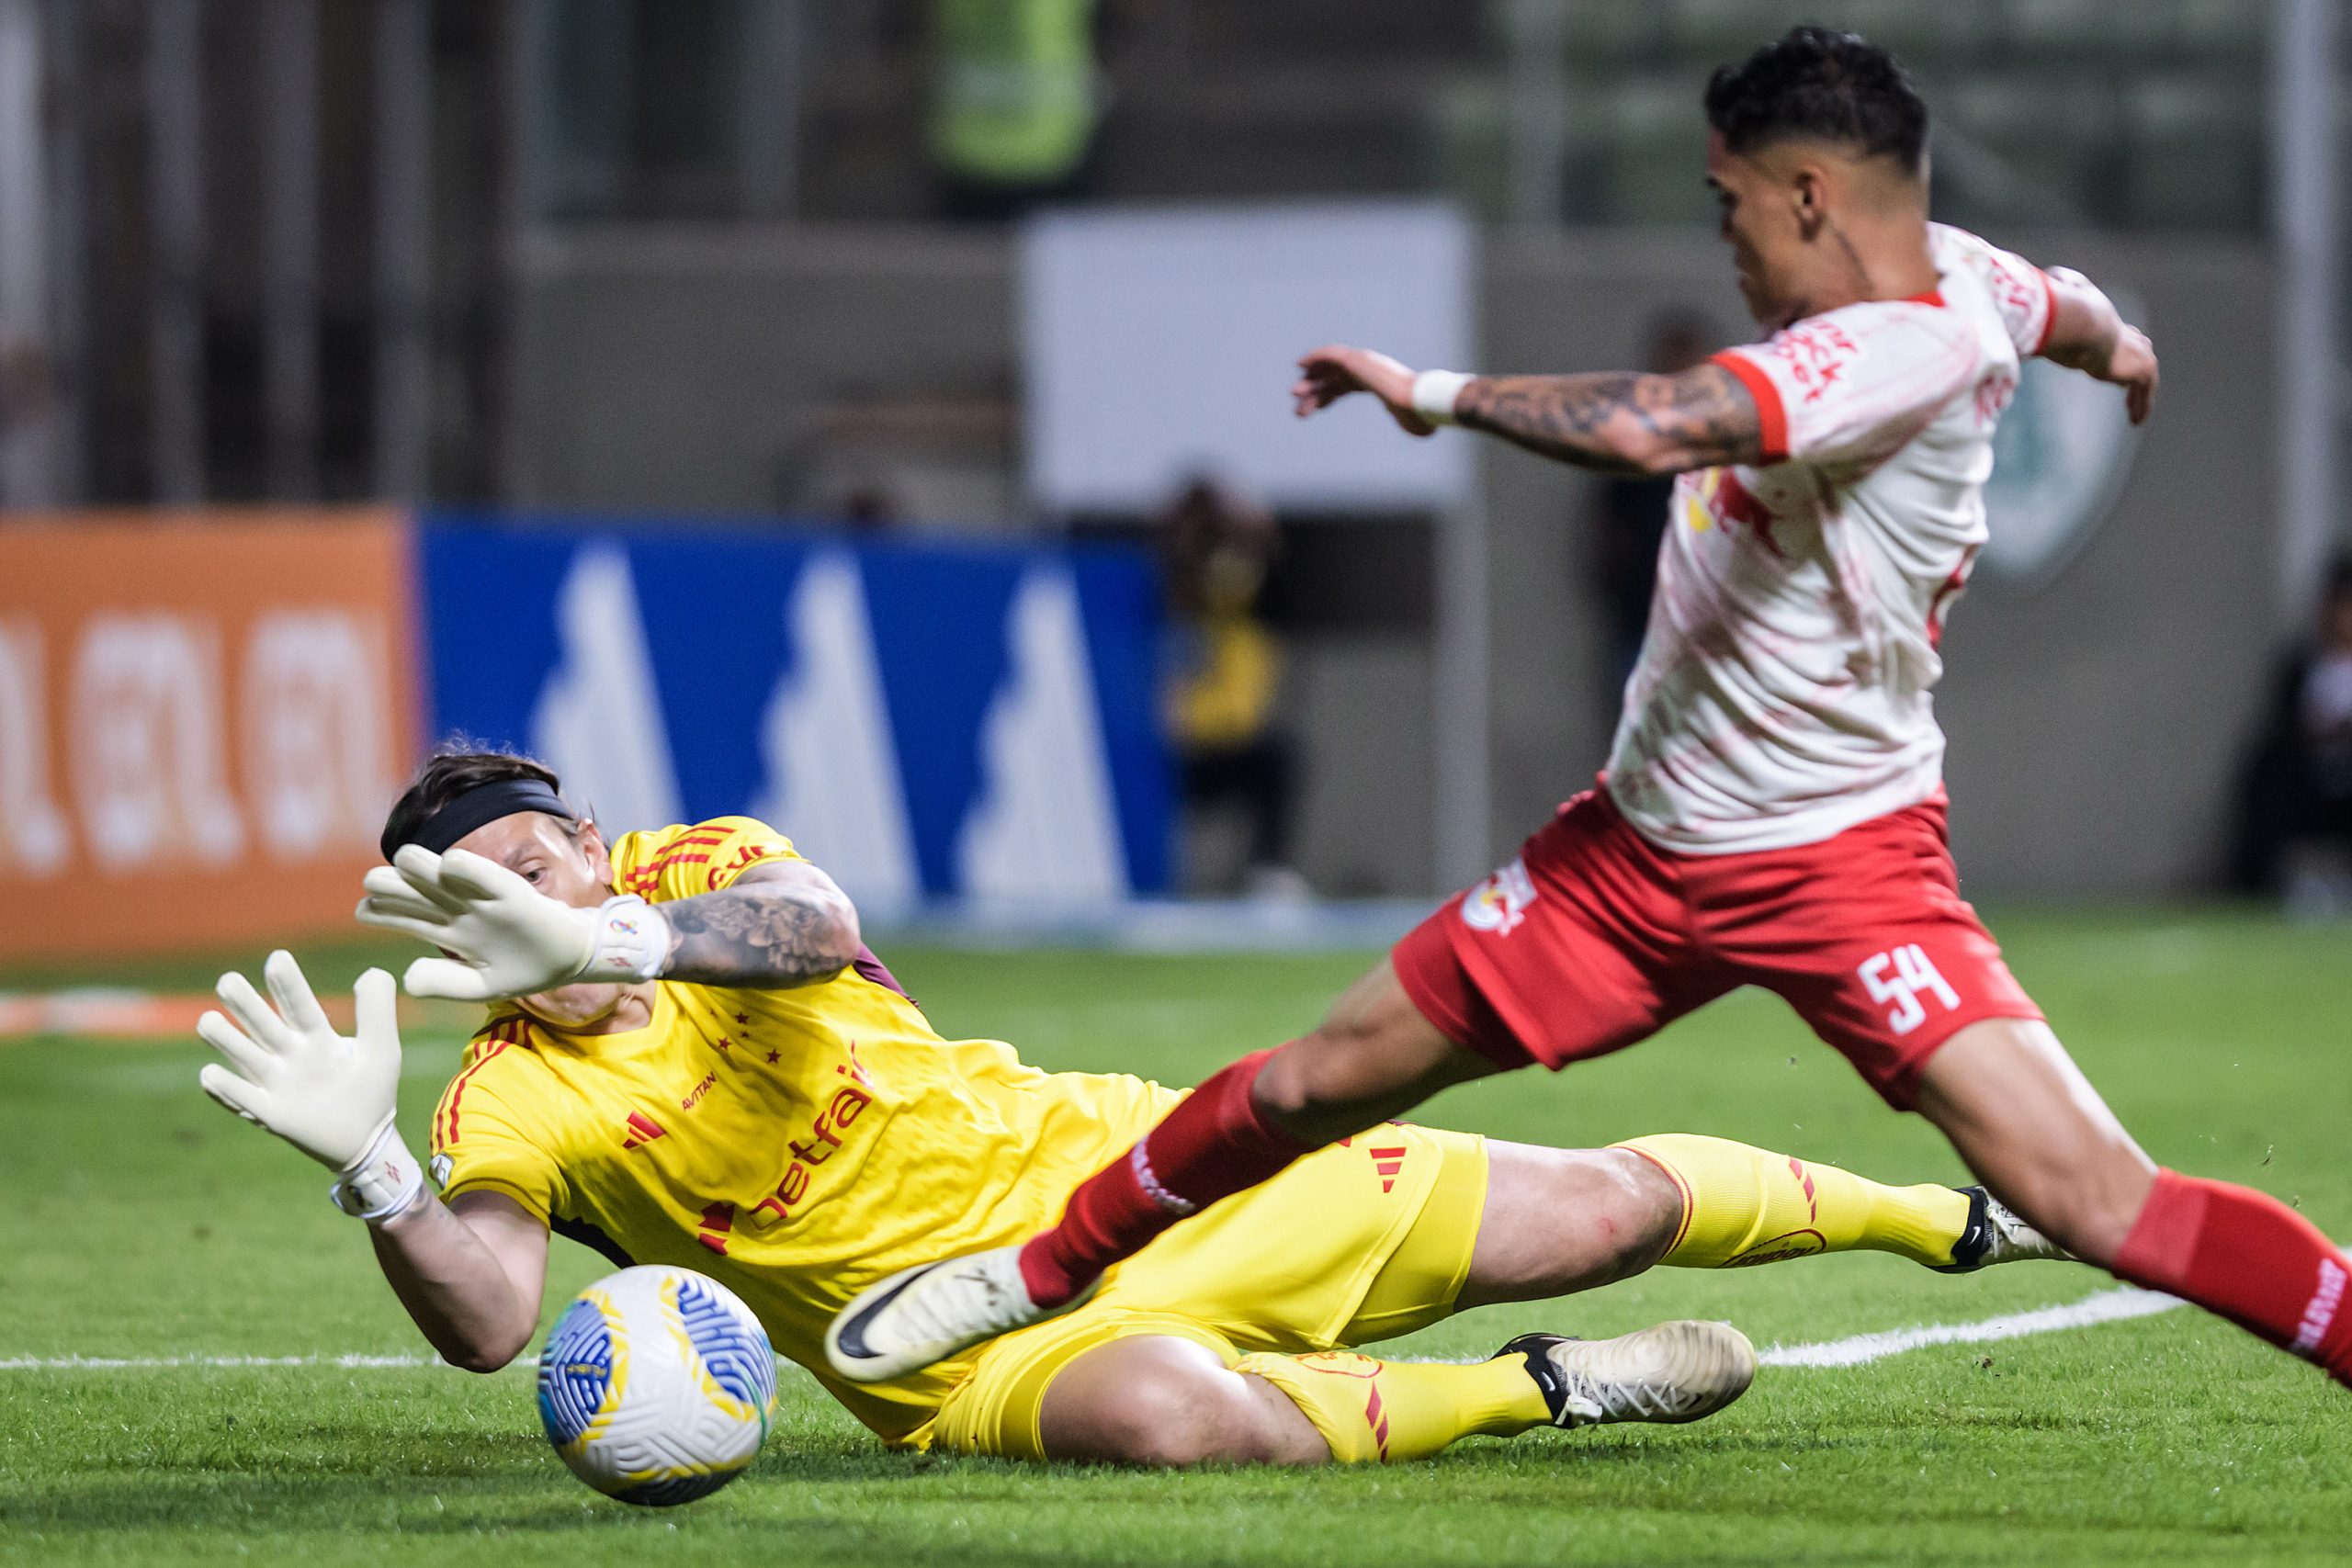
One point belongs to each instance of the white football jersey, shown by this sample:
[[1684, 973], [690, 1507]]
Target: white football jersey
[[1783, 692]]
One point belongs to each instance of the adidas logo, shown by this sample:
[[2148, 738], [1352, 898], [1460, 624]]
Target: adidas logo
[[642, 1130]]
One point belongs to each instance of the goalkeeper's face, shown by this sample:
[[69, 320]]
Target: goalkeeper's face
[[569, 864]]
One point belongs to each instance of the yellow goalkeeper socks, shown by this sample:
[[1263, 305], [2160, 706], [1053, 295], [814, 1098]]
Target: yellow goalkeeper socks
[[1378, 1411], [1744, 1205]]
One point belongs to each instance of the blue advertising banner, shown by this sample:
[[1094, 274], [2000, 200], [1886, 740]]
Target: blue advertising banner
[[924, 719]]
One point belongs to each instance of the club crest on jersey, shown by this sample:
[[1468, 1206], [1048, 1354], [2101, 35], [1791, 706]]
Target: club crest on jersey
[[1500, 902], [1715, 497]]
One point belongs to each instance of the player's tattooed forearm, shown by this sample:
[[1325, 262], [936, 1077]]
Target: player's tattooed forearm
[[1621, 421], [756, 935]]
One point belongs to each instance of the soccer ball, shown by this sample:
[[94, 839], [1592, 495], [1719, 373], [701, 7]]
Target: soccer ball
[[656, 1385]]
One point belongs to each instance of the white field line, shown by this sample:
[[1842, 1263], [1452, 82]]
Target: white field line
[[151, 1363], [2107, 1306]]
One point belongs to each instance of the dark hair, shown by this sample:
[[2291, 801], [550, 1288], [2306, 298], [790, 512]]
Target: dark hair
[[1828, 86], [458, 766]]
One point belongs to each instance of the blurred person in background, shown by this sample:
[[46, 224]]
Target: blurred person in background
[[1227, 673], [2296, 791], [1632, 517], [27, 390], [1015, 100]]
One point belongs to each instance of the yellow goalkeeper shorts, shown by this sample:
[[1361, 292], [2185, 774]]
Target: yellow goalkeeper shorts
[[1365, 1240]]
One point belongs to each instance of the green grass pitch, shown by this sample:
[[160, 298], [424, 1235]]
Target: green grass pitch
[[136, 1220]]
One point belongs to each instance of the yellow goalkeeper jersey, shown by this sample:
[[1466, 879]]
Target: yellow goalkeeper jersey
[[795, 1145]]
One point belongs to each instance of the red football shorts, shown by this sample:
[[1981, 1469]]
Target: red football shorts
[[1595, 937]]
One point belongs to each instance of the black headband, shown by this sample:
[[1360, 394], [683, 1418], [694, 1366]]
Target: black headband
[[482, 805]]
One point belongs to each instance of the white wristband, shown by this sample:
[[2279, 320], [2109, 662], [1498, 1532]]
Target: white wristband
[[632, 940], [1436, 392], [386, 1181]]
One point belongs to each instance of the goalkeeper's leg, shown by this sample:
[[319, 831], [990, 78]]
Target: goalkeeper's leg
[[1563, 1220], [1161, 1400]]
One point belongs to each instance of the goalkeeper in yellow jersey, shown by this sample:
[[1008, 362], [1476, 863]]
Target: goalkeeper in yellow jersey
[[692, 1059]]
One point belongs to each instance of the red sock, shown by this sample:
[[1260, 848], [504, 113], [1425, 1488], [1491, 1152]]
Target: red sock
[[1211, 1145], [2249, 1258]]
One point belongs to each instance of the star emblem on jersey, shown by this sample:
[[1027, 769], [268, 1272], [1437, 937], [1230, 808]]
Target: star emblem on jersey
[[773, 1057]]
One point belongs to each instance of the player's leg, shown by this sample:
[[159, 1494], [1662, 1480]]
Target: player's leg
[[1373, 1057], [1131, 1386], [1557, 1221], [2027, 1121], [1159, 1400], [1867, 935]]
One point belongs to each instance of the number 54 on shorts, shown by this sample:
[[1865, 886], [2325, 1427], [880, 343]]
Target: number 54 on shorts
[[1903, 975]]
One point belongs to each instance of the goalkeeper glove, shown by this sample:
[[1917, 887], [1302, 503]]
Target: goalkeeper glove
[[329, 1097], [505, 938]]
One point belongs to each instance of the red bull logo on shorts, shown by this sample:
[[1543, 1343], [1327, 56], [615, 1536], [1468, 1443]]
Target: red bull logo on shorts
[[1500, 902]]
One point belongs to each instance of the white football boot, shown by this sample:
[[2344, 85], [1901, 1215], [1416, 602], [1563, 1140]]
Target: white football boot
[[1670, 1372], [1996, 1233], [928, 1313]]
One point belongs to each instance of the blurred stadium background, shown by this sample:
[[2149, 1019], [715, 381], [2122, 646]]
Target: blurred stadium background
[[871, 413]]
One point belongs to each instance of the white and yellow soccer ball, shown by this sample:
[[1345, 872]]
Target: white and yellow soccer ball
[[657, 1386]]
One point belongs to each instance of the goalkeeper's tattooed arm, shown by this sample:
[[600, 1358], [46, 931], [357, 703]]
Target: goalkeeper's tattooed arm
[[1621, 421], [781, 924]]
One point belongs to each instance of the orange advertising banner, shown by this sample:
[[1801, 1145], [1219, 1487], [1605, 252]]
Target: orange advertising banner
[[204, 716]]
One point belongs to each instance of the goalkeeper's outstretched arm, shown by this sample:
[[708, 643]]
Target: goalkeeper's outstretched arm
[[470, 1273], [779, 924]]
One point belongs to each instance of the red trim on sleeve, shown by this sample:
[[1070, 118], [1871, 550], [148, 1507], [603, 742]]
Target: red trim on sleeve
[[2049, 313], [1772, 418], [456, 1092], [1932, 297]]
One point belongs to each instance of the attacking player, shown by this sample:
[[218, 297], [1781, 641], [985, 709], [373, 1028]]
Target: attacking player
[[705, 1067], [1773, 809]]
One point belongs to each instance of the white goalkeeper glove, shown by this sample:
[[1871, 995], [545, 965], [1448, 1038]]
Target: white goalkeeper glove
[[503, 937], [329, 1097]]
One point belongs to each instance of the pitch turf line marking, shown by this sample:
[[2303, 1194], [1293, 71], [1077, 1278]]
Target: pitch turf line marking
[[2107, 1306]]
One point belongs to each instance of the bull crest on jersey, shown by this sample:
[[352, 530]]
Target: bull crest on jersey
[[1500, 903]]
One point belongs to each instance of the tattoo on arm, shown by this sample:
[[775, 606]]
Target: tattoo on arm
[[758, 934], [1620, 421]]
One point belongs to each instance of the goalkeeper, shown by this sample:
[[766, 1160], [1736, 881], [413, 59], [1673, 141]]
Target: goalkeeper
[[691, 1059]]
